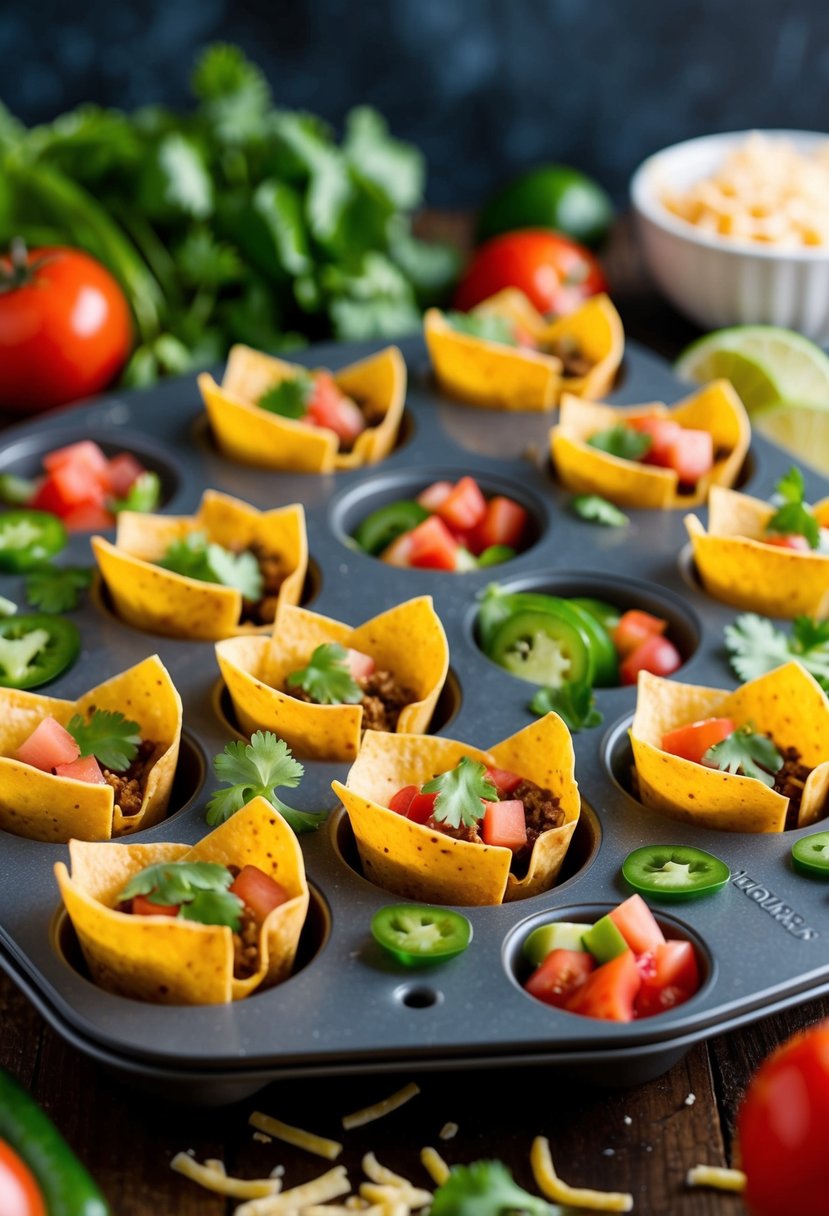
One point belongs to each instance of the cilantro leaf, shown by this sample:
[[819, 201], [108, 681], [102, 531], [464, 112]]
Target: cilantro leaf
[[199, 888], [327, 677], [791, 487], [214, 908], [486, 1188], [143, 495], [622, 441], [748, 753], [395, 168], [488, 326], [755, 646], [459, 793], [574, 703], [196, 557], [108, 736], [598, 510], [289, 398], [794, 516], [57, 589], [257, 769]]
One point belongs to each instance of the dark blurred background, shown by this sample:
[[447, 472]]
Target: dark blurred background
[[484, 87]]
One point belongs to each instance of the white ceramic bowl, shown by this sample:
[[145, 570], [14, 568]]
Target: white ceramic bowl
[[715, 280]]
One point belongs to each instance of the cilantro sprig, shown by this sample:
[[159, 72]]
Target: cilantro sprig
[[197, 557], [794, 516], [748, 753], [574, 703], [622, 441], [459, 793], [327, 678], [597, 510], [290, 397], [199, 888], [756, 646], [486, 1188], [258, 769], [57, 588], [488, 326], [108, 736]]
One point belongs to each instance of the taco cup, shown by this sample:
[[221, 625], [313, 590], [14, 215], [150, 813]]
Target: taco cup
[[248, 433], [407, 643], [786, 704], [169, 960], [42, 806], [415, 861], [150, 597]]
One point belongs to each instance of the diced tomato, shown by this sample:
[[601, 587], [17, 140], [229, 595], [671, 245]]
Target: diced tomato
[[465, 506], [401, 801], [435, 494], [49, 745], [691, 742], [88, 517], [691, 455], [432, 546], [399, 552], [504, 824], [656, 655], [663, 433], [525, 339], [421, 807], [637, 925], [788, 540], [503, 524], [330, 408], [670, 975], [143, 906], [651, 1000], [75, 484], [609, 991], [556, 979], [360, 665], [122, 471], [48, 497], [85, 768], [634, 628], [504, 781], [85, 454], [258, 891], [676, 963]]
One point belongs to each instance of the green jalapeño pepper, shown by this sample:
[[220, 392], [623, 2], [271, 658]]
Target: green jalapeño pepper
[[417, 935], [675, 871], [377, 531], [28, 539], [810, 854], [35, 649], [544, 647]]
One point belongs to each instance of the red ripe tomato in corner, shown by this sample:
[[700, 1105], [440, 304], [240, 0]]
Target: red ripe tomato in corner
[[20, 1194], [555, 273], [65, 328]]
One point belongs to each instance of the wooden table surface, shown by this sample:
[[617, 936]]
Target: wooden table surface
[[642, 1140]]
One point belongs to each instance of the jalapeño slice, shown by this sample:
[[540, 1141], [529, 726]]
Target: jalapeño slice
[[35, 649], [377, 531], [675, 871], [28, 539], [810, 854], [417, 934], [549, 648]]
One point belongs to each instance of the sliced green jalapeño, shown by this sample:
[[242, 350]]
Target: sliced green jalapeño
[[28, 539], [810, 854], [675, 871], [35, 649], [417, 934], [377, 531]]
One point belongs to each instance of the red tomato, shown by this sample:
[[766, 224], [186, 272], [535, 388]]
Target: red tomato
[[691, 455], [788, 540], [504, 824], [670, 976], [85, 454], [554, 273], [503, 524], [609, 991], [634, 628], [781, 1126], [258, 891], [330, 408], [402, 800], [421, 807], [122, 471], [504, 781], [464, 506], [656, 655], [49, 745], [435, 494], [360, 665], [65, 328], [142, 905], [556, 979], [399, 552], [663, 433], [433, 546], [87, 517], [637, 925], [691, 742], [20, 1194], [86, 768]]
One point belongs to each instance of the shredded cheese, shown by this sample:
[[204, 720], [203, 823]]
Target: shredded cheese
[[262, 1138], [369, 1113], [552, 1187], [319, 1190], [216, 1179], [330, 1149], [434, 1165], [411, 1196], [716, 1176], [448, 1131]]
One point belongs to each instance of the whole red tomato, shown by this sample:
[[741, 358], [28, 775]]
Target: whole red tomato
[[782, 1126], [65, 328], [554, 272], [19, 1193]]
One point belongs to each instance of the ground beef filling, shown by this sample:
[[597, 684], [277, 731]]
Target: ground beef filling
[[383, 699], [274, 572], [246, 946], [574, 362], [130, 784], [789, 781]]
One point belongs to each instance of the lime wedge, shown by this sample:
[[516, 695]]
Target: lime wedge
[[802, 430], [765, 364]]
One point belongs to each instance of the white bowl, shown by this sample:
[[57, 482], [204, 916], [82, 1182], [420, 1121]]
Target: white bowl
[[715, 280]]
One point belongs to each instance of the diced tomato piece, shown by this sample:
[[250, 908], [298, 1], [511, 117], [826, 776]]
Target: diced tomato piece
[[432, 546], [401, 801], [122, 471], [421, 807], [88, 517], [691, 742], [637, 925], [656, 655], [788, 540], [399, 552], [143, 906], [49, 745], [85, 768], [634, 628], [670, 975], [556, 979], [663, 432], [76, 484], [503, 524], [258, 891], [435, 494], [504, 824], [84, 454], [330, 408], [48, 497], [360, 665], [504, 781], [691, 455], [524, 339], [609, 991], [464, 506], [651, 1000]]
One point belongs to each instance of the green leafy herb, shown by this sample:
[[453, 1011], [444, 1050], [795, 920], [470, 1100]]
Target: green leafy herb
[[143, 495], [597, 510], [290, 397], [198, 888], [622, 441], [748, 753], [327, 677], [57, 588], [489, 326], [574, 703], [108, 736], [486, 1188], [794, 516], [258, 769], [196, 557], [755, 646], [459, 793]]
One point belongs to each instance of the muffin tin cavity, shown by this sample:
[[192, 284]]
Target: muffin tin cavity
[[191, 772]]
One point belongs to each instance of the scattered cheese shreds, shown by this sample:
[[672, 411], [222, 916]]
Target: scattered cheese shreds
[[379, 1173], [369, 1113], [319, 1190], [213, 1163], [330, 1149], [261, 1138], [552, 1187], [448, 1131], [434, 1165], [213, 1179], [411, 1196], [716, 1176]]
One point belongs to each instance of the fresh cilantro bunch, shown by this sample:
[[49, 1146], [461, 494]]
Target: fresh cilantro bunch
[[57, 588], [459, 793], [197, 557], [574, 703], [622, 441], [327, 677], [489, 326], [258, 769], [108, 736], [486, 1188], [794, 515], [199, 888], [756, 646], [748, 753], [290, 397], [597, 510]]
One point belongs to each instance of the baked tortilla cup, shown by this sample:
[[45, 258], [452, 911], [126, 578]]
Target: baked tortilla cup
[[738, 566], [583, 469], [161, 601], [415, 862], [246, 433], [407, 640], [172, 961], [502, 377], [786, 703], [43, 806]]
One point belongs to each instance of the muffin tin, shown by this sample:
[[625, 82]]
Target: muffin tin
[[348, 1007]]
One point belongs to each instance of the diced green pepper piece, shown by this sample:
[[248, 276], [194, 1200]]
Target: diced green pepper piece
[[562, 935], [604, 941]]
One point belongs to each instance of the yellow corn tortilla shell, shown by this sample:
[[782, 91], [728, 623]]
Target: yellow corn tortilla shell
[[496, 376], [174, 961], [415, 862], [786, 703], [407, 640], [583, 469], [736, 565], [161, 601], [255, 436], [43, 806]]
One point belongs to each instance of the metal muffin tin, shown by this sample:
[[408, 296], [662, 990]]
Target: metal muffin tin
[[348, 1007]]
